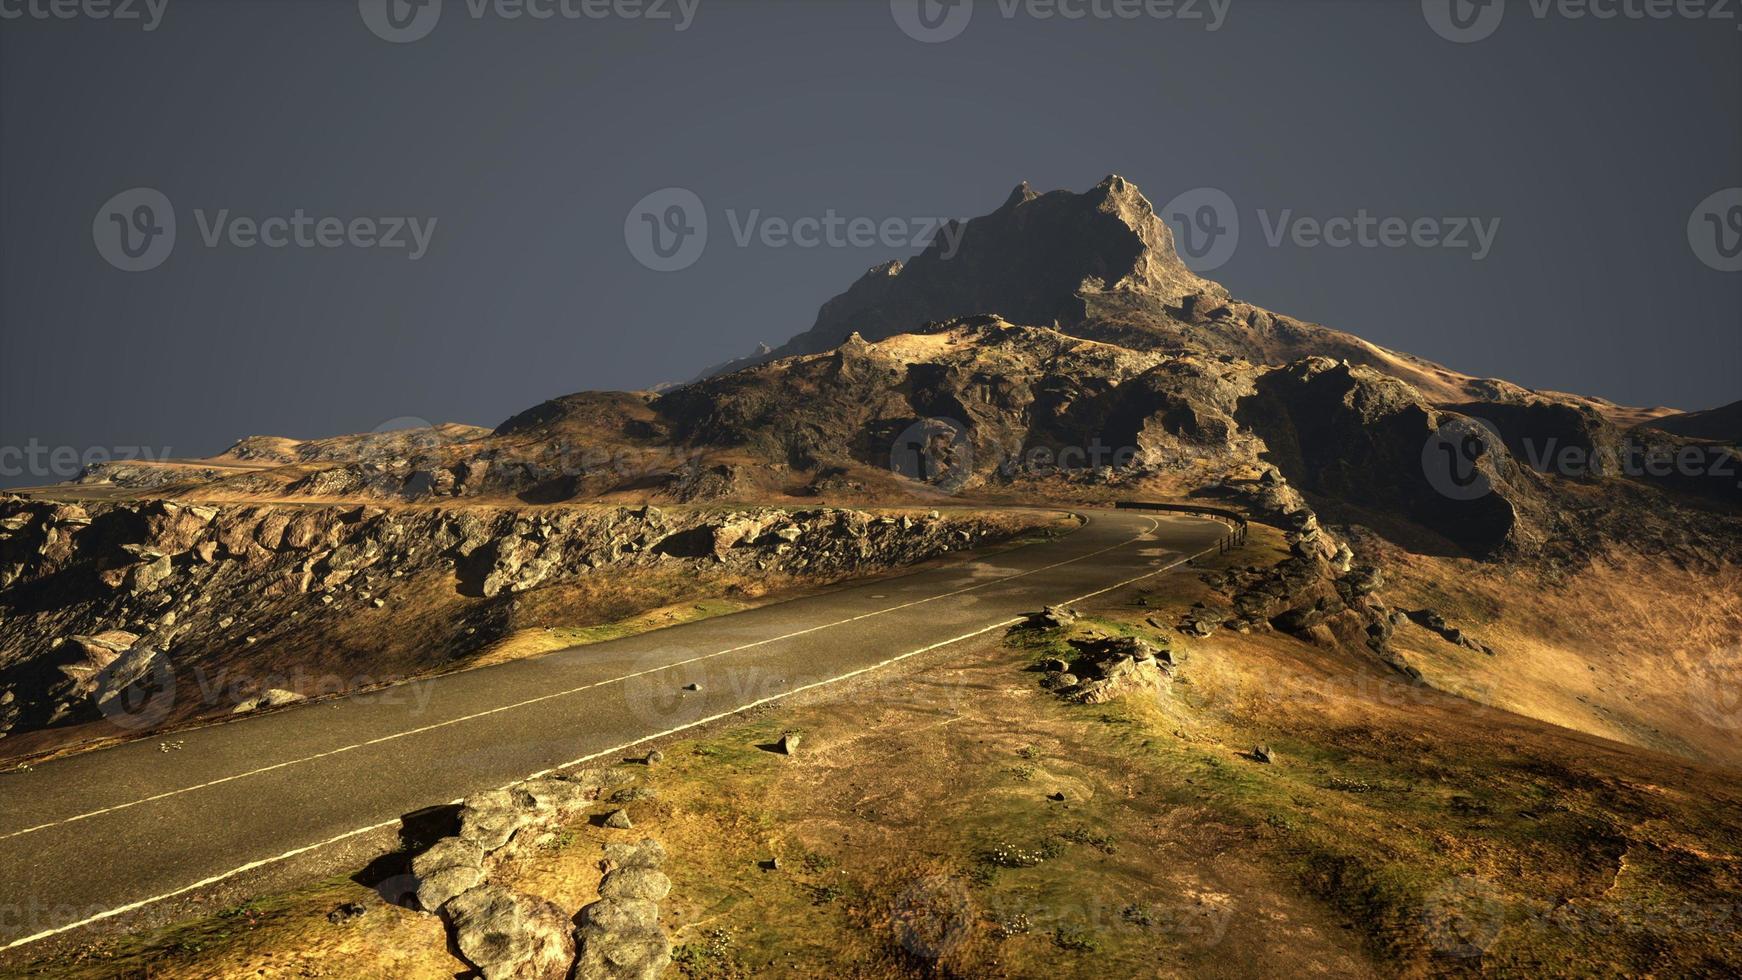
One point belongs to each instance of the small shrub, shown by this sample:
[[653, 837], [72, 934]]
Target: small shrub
[[715, 958], [828, 894], [1008, 856], [1075, 939], [1012, 925]]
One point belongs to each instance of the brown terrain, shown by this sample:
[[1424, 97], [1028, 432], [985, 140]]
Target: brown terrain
[[1467, 701]]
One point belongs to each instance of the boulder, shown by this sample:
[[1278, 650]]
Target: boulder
[[490, 819], [647, 854], [450, 867], [1052, 617], [149, 576], [552, 796], [509, 935], [620, 939], [635, 881]]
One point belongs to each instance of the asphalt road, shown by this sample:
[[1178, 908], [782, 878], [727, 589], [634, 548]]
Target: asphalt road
[[96, 835]]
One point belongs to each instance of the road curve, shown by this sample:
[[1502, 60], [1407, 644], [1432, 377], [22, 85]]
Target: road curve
[[114, 830]]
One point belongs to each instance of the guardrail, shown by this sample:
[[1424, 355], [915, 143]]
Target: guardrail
[[1236, 536]]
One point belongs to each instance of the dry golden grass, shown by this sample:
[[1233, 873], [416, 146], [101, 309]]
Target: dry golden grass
[[1631, 648]]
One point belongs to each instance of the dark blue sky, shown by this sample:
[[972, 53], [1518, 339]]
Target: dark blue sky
[[529, 141]]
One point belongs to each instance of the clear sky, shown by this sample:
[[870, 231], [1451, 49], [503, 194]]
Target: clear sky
[[1585, 147]]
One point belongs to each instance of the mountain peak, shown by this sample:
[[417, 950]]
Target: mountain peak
[[1033, 260]]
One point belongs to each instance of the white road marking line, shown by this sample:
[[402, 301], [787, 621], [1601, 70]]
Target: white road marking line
[[555, 694], [250, 866]]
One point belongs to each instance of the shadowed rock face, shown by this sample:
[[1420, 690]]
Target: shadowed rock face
[[1718, 424], [1358, 437]]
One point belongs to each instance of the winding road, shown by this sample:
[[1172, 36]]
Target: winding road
[[108, 832]]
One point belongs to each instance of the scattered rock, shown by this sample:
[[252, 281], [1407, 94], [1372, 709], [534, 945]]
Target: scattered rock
[[274, 698], [618, 820], [347, 912], [1262, 753], [1052, 617]]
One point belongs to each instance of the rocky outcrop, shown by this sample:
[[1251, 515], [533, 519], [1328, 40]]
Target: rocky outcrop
[[1107, 668], [619, 936], [508, 934], [503, 932], [1350, 435], [1435, 623]]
